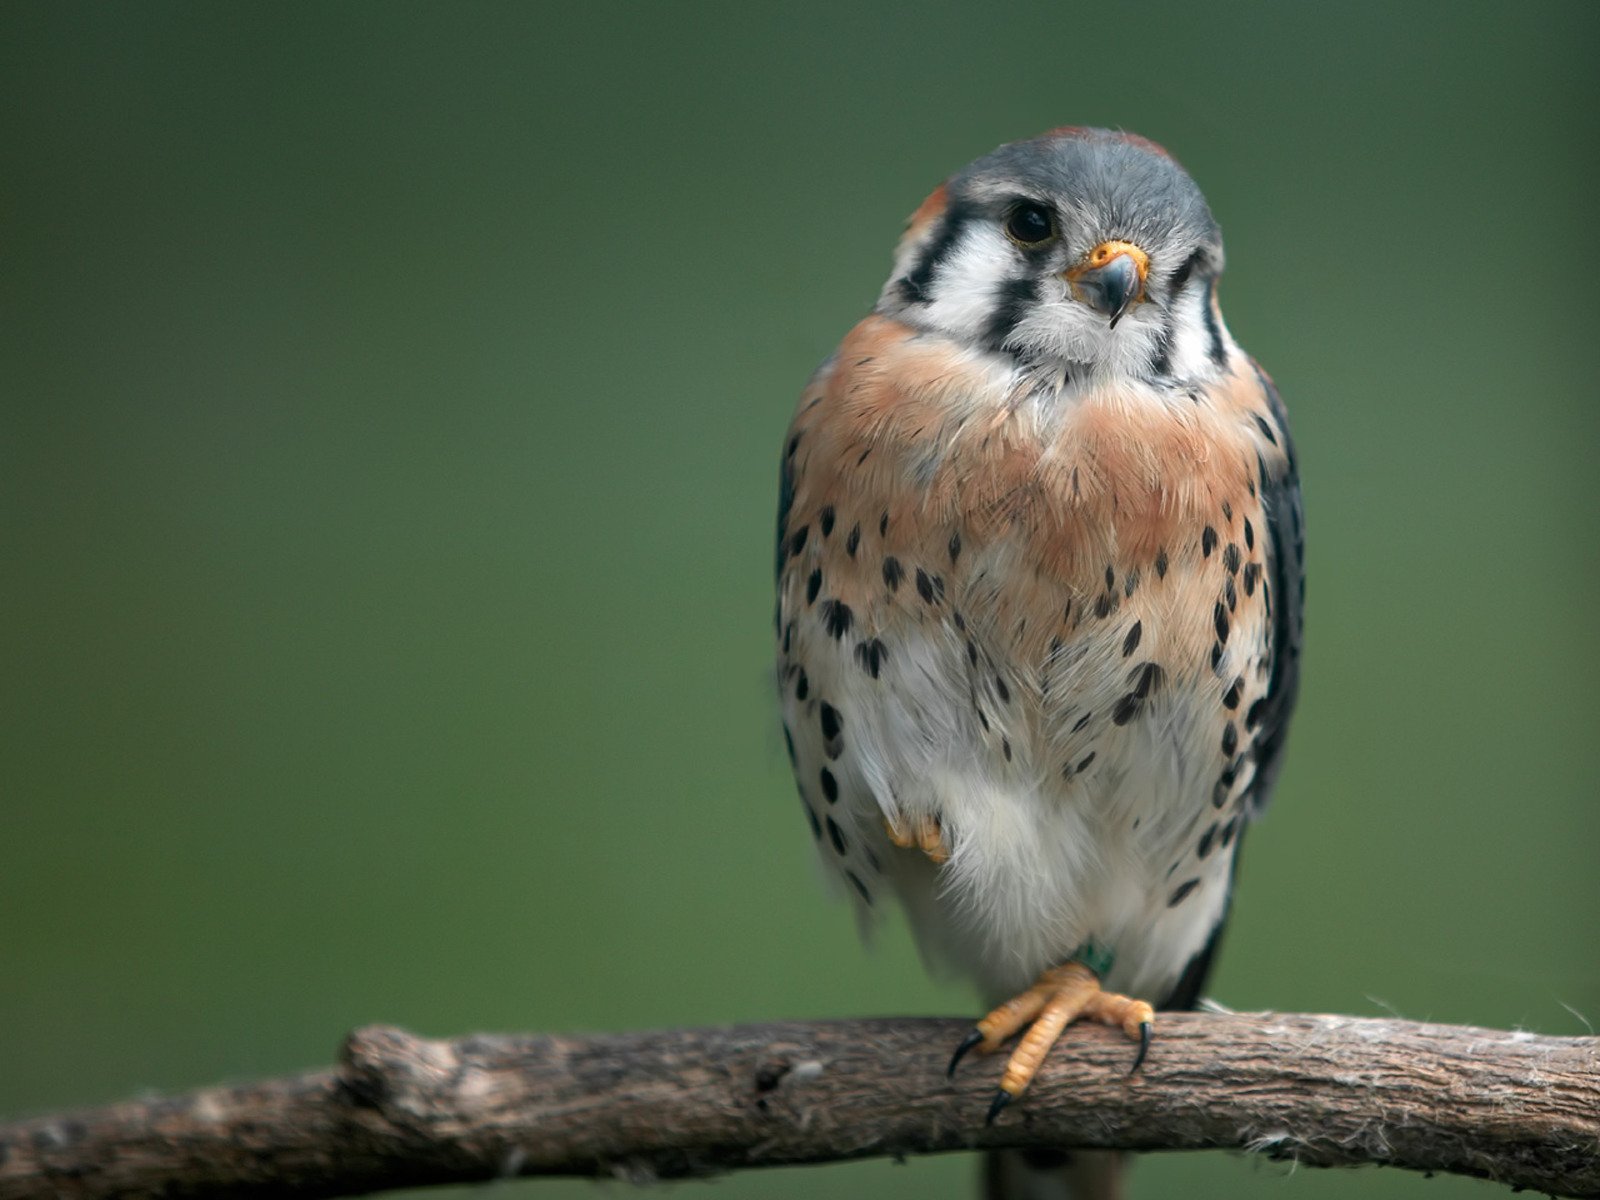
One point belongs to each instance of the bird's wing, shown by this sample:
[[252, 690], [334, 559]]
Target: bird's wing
[[1286, 577]]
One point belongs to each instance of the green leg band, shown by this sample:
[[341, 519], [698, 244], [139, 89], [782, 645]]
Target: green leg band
[[1096, 957]]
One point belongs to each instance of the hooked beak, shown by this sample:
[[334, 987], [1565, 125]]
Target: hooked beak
[[1110, 279]]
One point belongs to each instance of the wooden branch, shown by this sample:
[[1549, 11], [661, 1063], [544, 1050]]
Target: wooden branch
[[401, 1111]]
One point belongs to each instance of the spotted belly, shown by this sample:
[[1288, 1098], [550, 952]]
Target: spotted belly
[[1085, 749], [1043, 619]]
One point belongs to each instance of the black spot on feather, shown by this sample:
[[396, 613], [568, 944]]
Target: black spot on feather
[[836, 836], [836, 617], [1147, 678], [872, 655], [828, 715], [892, 572], [1131, 642]]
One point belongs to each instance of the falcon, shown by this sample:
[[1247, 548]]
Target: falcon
[[1039, 575]]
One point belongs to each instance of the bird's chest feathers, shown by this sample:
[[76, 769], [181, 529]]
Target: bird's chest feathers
[[1037, 618], [935, 449]]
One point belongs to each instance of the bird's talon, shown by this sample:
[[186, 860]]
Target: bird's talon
[[967, 1043], [997, 1105], [1145, 1028], [924, 833], [1059, 997]]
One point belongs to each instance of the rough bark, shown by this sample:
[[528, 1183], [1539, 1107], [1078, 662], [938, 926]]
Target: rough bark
[[400, 1111]]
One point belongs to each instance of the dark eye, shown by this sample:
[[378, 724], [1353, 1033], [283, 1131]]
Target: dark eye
[[1030, 224]]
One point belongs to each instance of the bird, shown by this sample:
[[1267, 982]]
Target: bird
[[1040, 583]]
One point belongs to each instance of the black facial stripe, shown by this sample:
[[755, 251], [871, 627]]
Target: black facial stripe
[[1181, 275], [914, 285], [1011, 305], [1161, 355], [1219, 352]]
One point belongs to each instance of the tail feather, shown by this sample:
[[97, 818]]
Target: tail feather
[[1054, 1175]]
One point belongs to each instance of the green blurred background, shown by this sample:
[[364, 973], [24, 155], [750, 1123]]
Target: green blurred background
[[391, 404]]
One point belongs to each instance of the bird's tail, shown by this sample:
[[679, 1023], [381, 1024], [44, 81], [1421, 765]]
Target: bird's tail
[[1053, 1175]]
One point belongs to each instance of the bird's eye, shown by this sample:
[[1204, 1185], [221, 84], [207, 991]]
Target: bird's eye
[[1030, 224]]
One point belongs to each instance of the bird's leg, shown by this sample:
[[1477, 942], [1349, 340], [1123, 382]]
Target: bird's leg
[[926, 834], [1062, 995]]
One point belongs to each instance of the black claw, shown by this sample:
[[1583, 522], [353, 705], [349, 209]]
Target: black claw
[[1144, 1046], [967, 1043], [997, 1105]]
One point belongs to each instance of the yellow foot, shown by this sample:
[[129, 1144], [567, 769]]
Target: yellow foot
[[1062, 995], [926, 834]]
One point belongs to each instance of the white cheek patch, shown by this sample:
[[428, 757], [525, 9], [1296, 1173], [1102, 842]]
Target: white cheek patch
[[967, 282], [1190, 353]]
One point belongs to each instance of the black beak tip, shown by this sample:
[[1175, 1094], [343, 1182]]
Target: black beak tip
[[1112, 289]]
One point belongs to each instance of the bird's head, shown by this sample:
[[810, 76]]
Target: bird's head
[[1084, 249]]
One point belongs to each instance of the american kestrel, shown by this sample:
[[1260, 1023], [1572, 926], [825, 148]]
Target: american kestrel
[[1039, 590]]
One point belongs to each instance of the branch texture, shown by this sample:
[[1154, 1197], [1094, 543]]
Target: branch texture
[[402, 1111]]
